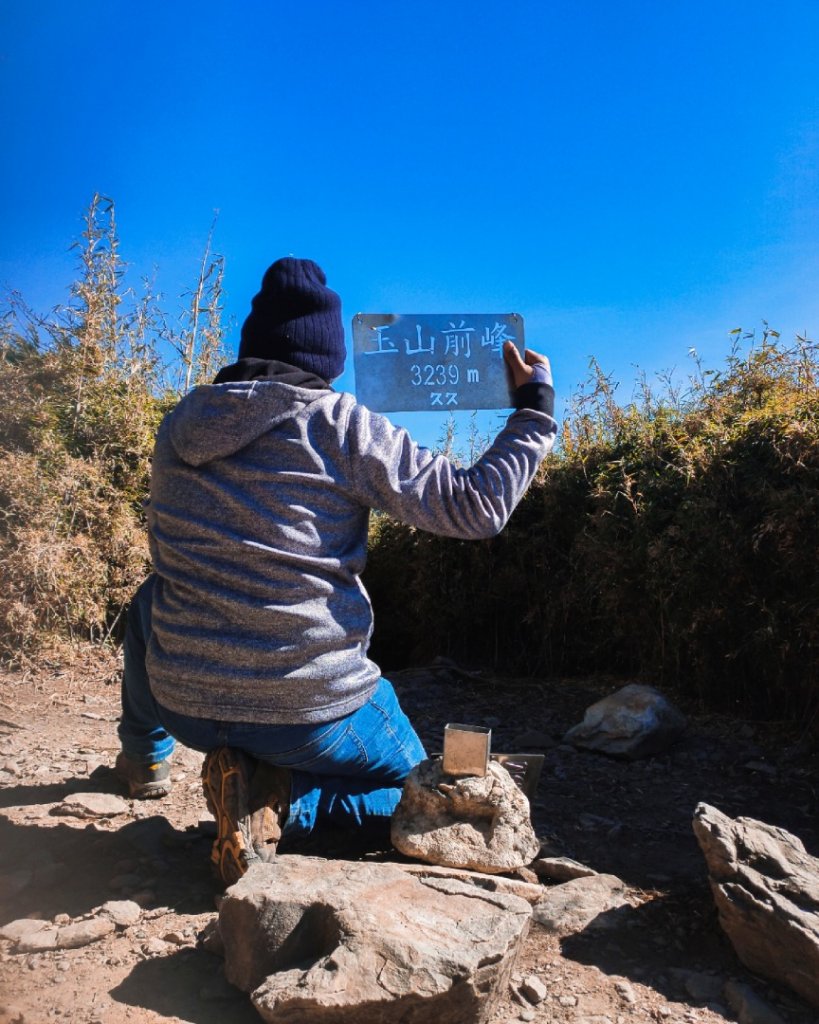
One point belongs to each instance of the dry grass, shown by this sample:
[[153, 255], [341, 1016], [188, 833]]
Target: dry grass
[[84, 389]]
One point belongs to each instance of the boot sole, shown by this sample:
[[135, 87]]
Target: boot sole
[[226, 784]]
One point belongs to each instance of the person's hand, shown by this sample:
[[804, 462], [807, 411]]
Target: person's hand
[[533, 367]]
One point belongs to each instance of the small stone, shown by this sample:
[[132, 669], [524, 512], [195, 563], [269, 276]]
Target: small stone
[[567, 1000], [91, 805], [527, 1014], [37, 941], [62, 919], [533, 989], [561, 869], [23, 926], [155, 947], [83, 933], [122, 912], [176, 938], [626, 992]]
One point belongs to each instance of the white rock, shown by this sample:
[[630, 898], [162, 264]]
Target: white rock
[[634, 722], [477, 823], [533, 989], [625, 991]]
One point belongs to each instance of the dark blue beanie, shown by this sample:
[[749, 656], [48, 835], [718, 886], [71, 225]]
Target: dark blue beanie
[[296, 318]]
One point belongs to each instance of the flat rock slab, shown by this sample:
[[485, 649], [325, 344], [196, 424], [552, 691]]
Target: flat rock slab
[[341, 941], [634, 722], [91, 805], [482, 824], [573, 906], [766, 887]]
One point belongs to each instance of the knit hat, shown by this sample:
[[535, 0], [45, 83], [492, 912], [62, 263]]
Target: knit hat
[[296, 318]]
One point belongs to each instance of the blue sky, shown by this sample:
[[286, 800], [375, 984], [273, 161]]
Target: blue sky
[[635, 178]]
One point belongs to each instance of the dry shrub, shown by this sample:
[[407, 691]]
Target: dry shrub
[[675, 538], [83, 393]]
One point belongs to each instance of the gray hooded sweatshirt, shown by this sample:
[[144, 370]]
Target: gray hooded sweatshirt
[[260, 498]]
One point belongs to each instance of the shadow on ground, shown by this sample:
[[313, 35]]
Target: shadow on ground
[[189, 985], [63, 869]]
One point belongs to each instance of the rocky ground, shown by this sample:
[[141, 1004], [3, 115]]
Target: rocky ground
[[124, 893]]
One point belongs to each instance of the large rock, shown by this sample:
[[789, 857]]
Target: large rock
[[477, 823], [766, 887], [633, 722], [338, 941]]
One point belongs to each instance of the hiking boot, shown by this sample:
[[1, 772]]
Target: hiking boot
[[269, 807], [144, 781], [250, 801]]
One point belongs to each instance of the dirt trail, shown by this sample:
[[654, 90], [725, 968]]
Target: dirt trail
[[661, 958]]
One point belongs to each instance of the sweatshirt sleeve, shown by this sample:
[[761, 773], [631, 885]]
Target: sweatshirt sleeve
[[390, 472]]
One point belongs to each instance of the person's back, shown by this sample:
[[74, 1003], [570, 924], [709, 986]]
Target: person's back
[[256, 622]]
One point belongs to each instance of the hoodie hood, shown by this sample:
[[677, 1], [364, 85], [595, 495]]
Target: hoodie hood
[[217, 420]]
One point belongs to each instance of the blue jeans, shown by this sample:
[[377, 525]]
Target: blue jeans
[[348, 771]]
